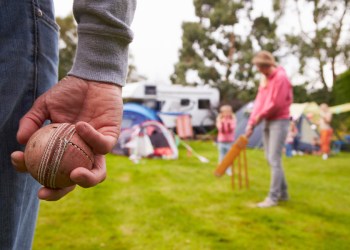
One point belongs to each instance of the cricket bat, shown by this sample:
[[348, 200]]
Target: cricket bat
[[231, 155]]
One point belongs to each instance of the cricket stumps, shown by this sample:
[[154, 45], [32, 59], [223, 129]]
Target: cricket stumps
[[237, 149]]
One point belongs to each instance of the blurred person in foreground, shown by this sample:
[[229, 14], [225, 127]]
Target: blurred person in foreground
[[226, 125], [326, 130], [89, 97], [271, 105]]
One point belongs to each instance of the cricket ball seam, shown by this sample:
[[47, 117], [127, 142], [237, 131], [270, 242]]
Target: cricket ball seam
[[53, 154], [80, 149]]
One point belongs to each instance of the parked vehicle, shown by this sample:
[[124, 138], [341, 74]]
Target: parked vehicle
[[170, 101]]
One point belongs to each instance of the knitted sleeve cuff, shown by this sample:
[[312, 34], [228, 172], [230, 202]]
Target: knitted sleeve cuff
[[101, 58]]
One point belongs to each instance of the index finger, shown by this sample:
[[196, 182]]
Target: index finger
[[32, 121], [17, 160]]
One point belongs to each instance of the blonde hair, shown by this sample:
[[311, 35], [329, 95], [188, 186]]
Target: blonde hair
[[226, 108], [263, 81], [264, 57]]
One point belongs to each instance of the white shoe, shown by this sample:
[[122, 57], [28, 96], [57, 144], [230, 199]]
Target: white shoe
[[229, 171], [324, 156], [267, 203]]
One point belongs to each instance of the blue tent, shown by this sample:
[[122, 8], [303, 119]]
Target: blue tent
[[303, 142], [134, 113], [242, 116]]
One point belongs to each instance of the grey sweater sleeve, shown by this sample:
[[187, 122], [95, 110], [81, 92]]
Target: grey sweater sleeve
[[103, 38]]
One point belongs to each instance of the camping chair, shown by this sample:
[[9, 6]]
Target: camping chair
[[184, 127]]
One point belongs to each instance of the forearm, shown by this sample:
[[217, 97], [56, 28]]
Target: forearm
[[103, 38], [256, 110]]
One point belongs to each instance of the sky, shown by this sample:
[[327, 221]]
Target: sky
[[157, 29]]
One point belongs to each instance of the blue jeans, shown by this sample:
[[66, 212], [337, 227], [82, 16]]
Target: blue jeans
[[28, 67], [223, 148], [275, 133], [289, 149]]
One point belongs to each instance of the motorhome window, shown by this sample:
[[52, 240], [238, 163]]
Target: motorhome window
[[150, 90], [159, 105], [185, 102], [203, 104]]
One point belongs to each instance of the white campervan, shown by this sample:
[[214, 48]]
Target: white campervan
[[169, 101]]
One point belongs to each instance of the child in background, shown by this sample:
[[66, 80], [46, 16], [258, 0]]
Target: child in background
[[292, 133], [226, 125], [326, 130]]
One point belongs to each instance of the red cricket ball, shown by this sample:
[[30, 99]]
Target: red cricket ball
[[53, 152]]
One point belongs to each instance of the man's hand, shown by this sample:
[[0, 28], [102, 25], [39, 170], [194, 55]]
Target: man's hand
[[96, 109]]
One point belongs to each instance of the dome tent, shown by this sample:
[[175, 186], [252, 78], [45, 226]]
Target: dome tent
[[147, 139], [134, 113]]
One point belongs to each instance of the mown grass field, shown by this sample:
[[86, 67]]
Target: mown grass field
[[164, 205]]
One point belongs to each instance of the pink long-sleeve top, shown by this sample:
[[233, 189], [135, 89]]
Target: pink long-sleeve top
[[226, 130], [273, 100]]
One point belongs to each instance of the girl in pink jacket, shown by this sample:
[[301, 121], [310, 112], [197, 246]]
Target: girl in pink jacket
[[272, 104], [226, 125]]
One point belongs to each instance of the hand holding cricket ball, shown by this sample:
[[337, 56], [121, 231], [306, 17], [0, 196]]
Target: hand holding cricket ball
[[53, 152], [95, 109]]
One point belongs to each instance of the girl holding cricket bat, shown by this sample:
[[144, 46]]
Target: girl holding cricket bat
[[271, 105], [226, 125]]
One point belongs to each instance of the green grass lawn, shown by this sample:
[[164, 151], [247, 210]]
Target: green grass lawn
[[179, 204]]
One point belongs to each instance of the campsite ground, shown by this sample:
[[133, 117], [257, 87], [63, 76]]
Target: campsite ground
[[178, 204]]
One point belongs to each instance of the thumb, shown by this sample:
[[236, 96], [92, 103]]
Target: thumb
[[32, 120]]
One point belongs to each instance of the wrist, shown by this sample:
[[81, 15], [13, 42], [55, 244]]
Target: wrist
[[257, 119], [117, 89]]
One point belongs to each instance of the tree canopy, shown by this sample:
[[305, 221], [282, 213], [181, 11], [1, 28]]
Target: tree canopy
[[67, 44], [218, 48]]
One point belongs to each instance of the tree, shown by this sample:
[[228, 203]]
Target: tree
[[213, 51], [67, 44], [217, 51], [325, 45], [133, 75], [340, 95], [341, 90], [300, 94]]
